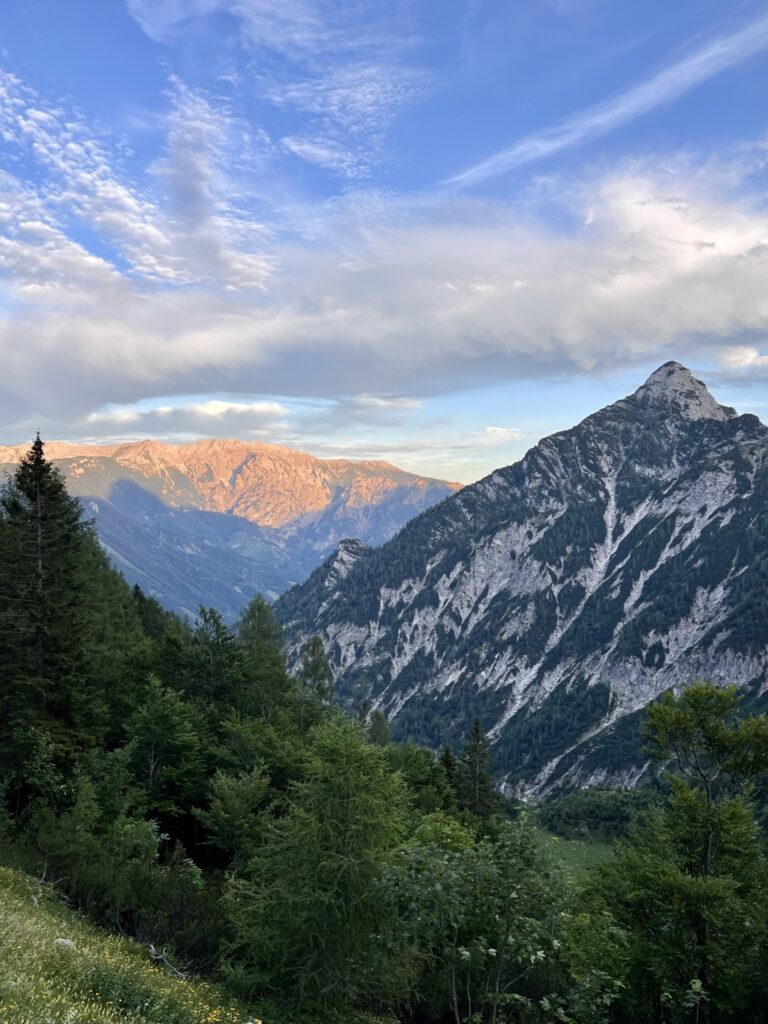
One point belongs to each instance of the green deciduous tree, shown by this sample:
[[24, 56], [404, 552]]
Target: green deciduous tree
[[691, 890], [472, 928]]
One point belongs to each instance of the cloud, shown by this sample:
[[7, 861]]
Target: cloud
[[664, 87], [741, 357], [294, 29], [186, 231], [360, 97], [337, 67], [673, 264], [349, 109], [326, 153], [500, 435], [189, 282], [189, 418]]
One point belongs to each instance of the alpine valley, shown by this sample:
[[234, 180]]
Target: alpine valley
[[557, 597], [214, 522]]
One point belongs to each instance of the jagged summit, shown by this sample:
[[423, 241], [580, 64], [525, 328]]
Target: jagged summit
[[674, 384], [341, 561], [557, 597]]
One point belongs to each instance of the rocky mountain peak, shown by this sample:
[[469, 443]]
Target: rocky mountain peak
[[559, 596], [343, 558], [674, 384]]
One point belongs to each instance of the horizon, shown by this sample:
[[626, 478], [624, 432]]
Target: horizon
[[424, 236], [254, 443]]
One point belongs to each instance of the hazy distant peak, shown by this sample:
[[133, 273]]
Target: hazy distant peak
[[674, 384]]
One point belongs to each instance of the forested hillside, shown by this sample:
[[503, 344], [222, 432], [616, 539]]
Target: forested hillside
[[177, 784]]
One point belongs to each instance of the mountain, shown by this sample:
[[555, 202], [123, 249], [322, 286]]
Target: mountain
[[214, 522], [556, 597]]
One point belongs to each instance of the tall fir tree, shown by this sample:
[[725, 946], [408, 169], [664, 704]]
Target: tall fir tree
[[267, 686], [315, 682], [44, 628], [474, 788], [71, 642]]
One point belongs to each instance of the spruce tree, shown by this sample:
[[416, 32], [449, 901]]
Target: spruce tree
[[315, 682], [267, 687], [214, 664], [474, 788], [315, 672], [379, 732], [44, 627], [448, 761]]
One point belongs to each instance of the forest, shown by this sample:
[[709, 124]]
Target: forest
[[178, 784]]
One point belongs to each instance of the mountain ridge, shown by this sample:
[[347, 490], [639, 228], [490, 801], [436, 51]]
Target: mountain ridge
[[580, 581], [215, 521]]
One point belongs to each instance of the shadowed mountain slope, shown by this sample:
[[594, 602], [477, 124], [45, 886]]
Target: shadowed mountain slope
[[215, 522]]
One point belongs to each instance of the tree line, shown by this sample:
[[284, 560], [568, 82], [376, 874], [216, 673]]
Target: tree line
[[178, 783]]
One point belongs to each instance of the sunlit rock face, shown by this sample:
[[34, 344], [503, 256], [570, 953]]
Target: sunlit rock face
[[214, 522], [558, 596]]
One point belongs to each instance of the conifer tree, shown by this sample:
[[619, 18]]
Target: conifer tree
[[44, 627], [314, 670], [315, 682], [266, 685], [448, 761], [214, 660], [379, 732], [474, 788], [309, 941]]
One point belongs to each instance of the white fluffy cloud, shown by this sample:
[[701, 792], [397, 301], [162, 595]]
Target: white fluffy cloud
[[372, 294]]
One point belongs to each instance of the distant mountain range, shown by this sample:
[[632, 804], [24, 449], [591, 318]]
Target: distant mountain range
[[555, 598], [215, 522]]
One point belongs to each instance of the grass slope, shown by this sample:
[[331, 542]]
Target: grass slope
[[55, 968], [578, 856]]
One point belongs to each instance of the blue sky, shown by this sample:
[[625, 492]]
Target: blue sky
[[424, 231]]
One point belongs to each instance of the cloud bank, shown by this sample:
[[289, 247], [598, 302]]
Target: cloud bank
[[204, 284]]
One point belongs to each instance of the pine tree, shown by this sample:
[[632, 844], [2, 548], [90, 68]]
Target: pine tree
[[267, 687], [45, 635], [315, 682], [378, 731], [474, 788]]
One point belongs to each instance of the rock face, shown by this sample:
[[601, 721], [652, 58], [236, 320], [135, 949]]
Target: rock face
[[215, 522], [558, 596]]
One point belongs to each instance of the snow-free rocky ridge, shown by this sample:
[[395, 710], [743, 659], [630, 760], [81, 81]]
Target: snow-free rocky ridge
[[214, 522], [556, 597]]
